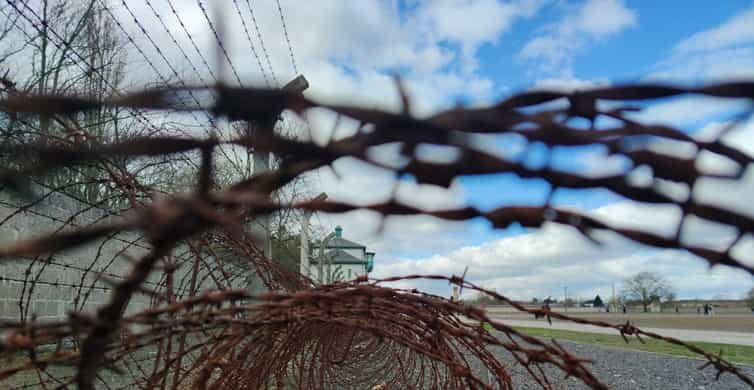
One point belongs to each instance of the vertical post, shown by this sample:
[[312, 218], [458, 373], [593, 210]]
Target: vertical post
[[261, 160], [262, 164], [322, 257], [565, 298], [304, 244], [304, 260]]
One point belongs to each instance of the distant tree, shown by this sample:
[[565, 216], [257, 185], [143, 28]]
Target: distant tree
[[646, 287], [598, 301], [535, 300], [670, 297], [286, 249], [482, 299]]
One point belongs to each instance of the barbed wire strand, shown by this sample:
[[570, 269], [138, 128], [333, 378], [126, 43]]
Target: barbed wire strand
[[193, 42], [261, 42], [287, 38], [219, 41], [251, 44]]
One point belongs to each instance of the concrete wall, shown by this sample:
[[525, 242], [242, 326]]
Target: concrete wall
[[69, 281]]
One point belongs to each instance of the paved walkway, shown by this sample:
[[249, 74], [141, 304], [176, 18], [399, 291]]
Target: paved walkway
[[739, 338]]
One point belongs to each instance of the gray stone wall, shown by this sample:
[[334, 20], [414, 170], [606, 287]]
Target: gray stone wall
[[70, 281]]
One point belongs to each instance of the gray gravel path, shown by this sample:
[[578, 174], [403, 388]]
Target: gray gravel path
[[626, 369]]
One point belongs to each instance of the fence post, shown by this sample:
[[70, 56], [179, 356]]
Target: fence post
[[261, 160], [304, 259]]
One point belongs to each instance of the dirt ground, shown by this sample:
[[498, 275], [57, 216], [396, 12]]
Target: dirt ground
[[720, 322]]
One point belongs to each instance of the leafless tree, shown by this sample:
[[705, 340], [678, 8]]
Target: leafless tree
[[645, 288], [67, 47]]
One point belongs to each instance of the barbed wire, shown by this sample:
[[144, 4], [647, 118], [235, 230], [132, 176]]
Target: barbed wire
[[157, 48], [200, 330], [66, 48], [261, 42], [307, 335], [54, 284], [219, 40], [179, 80], [175, 42], [287, 38], [193, 42], [251, 44]]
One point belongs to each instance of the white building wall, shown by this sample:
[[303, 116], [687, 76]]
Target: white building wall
[[357, 253], [352, 271], [356, 270]]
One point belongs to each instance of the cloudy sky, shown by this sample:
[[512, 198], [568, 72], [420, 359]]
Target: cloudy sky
[[474, 52]]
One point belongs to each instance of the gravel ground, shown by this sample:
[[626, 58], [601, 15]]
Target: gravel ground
[[617, 368], [625, 369]]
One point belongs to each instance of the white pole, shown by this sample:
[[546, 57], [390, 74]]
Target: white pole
[[304, 260], [565, 298]]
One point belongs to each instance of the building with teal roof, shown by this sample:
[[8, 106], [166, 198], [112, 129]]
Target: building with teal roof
[[341, 258]]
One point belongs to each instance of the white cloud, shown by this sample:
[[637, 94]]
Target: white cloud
[[541, 262], [604, 17], [735, 31], [568, 84], [362, 184], [450, 21], [348, 50], [689, 110], [710, 66], [722, 52], [593, 21]]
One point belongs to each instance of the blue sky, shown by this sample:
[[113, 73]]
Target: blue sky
[[629, 56], [476, 52]]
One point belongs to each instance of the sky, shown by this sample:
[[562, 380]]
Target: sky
[[474, 53]]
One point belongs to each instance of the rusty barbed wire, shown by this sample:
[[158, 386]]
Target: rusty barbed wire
[[251, 43], [356, 333], [287, 38]]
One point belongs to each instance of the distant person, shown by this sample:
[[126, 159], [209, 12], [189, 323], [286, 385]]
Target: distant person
[[624, 309], [607, 309], [545, 309], [676, 309], [706, 309], [699, 310], [540, 314]]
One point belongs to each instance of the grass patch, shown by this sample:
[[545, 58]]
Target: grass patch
[[734, 353]]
